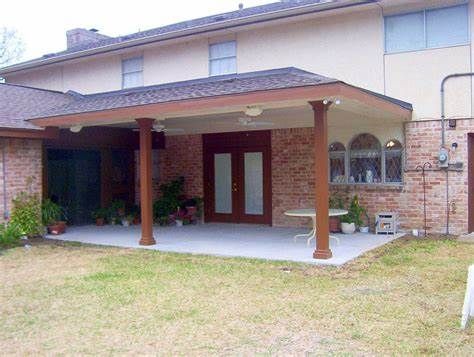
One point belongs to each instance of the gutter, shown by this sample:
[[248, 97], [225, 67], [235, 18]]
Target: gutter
[[221, 25]]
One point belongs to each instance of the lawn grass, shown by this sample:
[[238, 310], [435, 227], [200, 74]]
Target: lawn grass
[[403, 298]]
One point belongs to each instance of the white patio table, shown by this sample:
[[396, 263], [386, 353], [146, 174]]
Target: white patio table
[[311, 213]]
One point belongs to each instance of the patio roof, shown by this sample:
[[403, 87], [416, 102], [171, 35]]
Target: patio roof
[[190, 97]]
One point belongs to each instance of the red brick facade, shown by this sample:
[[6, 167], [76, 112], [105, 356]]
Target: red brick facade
[[23, 169], [292, 176]]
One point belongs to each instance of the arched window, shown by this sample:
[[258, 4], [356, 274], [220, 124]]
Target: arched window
[[393, 152], [365, 160], [337, 163]]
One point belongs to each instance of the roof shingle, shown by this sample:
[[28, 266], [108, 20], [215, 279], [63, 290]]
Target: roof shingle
[[18, 103], [193, 89]]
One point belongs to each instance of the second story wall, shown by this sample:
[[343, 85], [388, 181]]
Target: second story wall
[[348, 46]]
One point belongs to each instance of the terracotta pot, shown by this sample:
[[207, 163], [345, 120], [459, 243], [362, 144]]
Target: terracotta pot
[[191, 210], [121, 212], [334, 224], [57, 228], [136, 221], [99, 222]]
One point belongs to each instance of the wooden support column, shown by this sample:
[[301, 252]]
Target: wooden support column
[[146, 196], [321, 174]]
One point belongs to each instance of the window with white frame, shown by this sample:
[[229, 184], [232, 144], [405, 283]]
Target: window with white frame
[[337, 163], [393, 156], [430, 28], [222, 58], [132, 72]]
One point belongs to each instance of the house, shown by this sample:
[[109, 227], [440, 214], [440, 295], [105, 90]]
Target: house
[[261, 109]]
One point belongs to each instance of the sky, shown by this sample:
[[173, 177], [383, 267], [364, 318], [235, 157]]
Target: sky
[[42, 24]]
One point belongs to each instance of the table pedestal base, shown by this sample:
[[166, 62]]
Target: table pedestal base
[[312, 234]]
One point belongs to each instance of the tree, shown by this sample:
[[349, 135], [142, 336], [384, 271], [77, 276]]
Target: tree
[[11, 46]]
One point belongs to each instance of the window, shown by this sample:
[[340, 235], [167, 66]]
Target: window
[[222, 58], [132, 72], [337, 163], [393, 161], [365, 160], [427, 29]]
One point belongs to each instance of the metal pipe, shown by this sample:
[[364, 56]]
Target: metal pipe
[[442, 92], [4, 173], [443, 132]]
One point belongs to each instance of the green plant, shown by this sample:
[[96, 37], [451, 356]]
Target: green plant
[[355, 212], [9, 235], [336, 200], [100, 213], [117, 208], [50, 212], [171, 198], [26, 214]]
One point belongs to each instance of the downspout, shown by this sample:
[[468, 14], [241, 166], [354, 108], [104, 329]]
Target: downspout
[[4, 174], [443, 133]]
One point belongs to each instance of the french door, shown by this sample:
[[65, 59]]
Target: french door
[[238, 181]]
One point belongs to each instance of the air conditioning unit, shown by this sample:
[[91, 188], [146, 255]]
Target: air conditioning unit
[[386, 223]]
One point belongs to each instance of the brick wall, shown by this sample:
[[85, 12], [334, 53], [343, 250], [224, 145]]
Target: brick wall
[[183, 157], [23, 167], [293, 176], [293, 165]]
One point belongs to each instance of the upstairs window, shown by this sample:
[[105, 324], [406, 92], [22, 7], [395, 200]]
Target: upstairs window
[[427, 29], [132, 72], [222, 58]]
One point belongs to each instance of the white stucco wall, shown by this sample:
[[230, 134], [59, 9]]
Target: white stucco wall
[[347, 46]]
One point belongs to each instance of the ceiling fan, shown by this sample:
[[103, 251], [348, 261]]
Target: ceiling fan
[[159, 127]]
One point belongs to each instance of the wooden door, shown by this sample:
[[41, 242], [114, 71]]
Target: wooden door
[[237, 174]]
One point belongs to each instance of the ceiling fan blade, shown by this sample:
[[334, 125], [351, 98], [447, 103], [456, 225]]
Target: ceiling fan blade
[[262, 123], [174, 130]]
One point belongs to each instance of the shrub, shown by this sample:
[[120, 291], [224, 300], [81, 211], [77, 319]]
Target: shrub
[[9, 235], [50, 212], [171, 198], [26, 214]]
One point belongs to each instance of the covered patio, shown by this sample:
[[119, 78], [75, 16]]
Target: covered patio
[[285, 98], [231, 240]]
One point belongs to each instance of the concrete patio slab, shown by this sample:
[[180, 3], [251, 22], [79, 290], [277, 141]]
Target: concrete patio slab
[[230, 240]]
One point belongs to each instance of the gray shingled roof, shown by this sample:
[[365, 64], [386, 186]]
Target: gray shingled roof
[[185, 25], [18, 103], [198, 88]]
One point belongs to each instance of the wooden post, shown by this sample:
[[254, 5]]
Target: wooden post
[[146, 194], [321, 174]]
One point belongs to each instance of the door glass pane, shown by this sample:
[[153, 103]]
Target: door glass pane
[[223, 183], [253, 165]]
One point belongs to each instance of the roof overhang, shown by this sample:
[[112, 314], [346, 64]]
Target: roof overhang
[[272, 98], [196, 30]]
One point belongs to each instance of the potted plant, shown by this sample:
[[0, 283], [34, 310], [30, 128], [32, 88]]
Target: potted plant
[[127, 220], [335, 201], [364, 228], [117, 208], [51, 214], [100, 215], [352, 219]]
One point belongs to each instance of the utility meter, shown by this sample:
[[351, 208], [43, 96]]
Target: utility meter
[[443, 157]]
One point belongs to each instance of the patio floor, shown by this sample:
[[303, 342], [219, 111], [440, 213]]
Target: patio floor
[[232, 240]]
